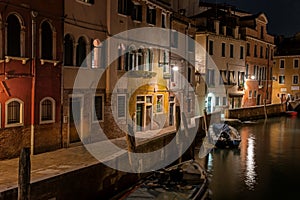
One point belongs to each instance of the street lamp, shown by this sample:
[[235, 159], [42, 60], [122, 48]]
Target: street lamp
[[175, 68]]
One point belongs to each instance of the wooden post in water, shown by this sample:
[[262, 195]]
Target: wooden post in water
[[265, 109], [24, 174], [205, 122], [130, 139]]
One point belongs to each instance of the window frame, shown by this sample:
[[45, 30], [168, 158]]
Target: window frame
[[211, 47], [21, 117], [293, 78], [250, 94], [223, 50], [294, 63], [242, 52], [280, 64], [231, 51], [162, 104], [52, 108], [53, 39], [137, 12], [20, 50], [279, 80], [174, 39], [151, 15], [121, 95]]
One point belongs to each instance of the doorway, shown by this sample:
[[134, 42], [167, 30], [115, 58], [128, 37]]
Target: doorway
[[75, 120], [258, 99], [148, 117], [139, 116]]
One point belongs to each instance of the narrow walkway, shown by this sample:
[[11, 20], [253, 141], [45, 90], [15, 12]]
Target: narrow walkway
[[61, 161]]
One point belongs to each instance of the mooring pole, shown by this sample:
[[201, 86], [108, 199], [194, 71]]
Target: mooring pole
[[265, 109], [24, 175]]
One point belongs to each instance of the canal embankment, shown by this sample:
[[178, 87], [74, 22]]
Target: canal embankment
[[73, 173], [255, 112]]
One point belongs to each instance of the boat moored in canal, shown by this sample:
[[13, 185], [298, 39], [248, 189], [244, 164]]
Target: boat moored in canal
[[187, 180], [223, 135]]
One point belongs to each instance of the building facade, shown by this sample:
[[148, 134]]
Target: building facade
[[259, 59], [85, 29], [219, 35], [286, 69], [30, 59]]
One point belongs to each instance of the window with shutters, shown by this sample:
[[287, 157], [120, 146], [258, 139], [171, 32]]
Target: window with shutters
[[121, 106]]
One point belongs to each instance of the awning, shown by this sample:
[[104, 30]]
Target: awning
[[224, 78], [236, 95], [232, 79]]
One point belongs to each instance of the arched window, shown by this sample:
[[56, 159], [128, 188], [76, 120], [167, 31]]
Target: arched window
[[13, 36], [148, 60], [14, 110], [81, 52], [47, 41], [121, 49], [47, 110], [68, 50], [131, 58], [140, 59]]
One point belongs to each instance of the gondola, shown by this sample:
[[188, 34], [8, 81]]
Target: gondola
[[224, 136], [187, 180]]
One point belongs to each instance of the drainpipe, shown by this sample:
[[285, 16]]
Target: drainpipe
[[33, 65], [62, 117]]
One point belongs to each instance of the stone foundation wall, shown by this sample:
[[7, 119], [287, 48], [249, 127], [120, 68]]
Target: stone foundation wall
[[12, 140], [47, 137], [255, 112]]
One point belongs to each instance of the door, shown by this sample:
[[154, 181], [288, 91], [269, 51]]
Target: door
[[139, 116], [209, 104], [75, 119], [148, 118], [258, 100]]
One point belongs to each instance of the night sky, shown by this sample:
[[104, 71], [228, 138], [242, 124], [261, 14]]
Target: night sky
[[283, 15]]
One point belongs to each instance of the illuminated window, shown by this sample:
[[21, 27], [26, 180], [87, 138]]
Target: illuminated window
[[159, 103], [295, 79], [281, 79]]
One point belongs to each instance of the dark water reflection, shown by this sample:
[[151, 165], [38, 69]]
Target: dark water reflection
[[267, 165]]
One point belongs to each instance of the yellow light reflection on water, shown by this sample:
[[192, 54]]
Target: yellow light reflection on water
[[250, 179]]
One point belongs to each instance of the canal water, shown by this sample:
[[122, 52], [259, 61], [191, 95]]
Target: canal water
[[266, 166]]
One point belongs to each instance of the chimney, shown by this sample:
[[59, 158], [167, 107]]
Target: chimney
[[217, 26], [236, 32], [224, 30]]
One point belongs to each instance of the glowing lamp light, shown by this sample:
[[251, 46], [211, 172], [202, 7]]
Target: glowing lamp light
[[252, 77], [175, 68]]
